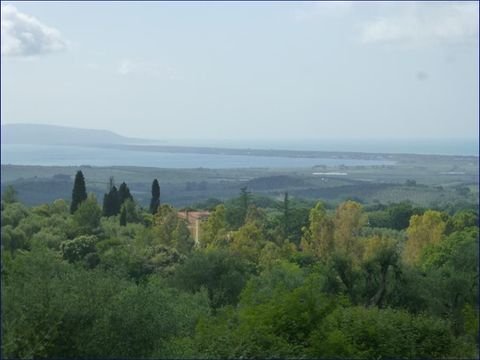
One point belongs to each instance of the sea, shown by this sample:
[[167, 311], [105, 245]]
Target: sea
[[58, 155]]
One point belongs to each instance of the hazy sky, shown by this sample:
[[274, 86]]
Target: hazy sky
[[244, 69]]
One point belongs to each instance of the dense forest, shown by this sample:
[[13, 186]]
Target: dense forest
[[266, 279]]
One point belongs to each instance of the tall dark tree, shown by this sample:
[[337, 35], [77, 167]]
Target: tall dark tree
[[124, 193], [79, 192], [111, 203], [155, 202]]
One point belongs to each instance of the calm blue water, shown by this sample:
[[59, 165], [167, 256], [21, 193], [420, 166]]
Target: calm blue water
[[48, 155]]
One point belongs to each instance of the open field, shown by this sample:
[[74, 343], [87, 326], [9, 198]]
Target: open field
[[425, 180]]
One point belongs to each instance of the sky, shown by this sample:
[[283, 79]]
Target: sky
[[244, 70]]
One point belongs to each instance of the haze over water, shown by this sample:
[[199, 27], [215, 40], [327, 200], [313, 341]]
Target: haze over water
[[463, 147], [50, 155]]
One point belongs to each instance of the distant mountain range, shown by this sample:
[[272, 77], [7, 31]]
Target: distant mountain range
[[61, 135]]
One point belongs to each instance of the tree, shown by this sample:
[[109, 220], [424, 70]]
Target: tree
[[400, 215], [10, 195], [182, 239], [236, 210], [372, 333], [111, 203], [155, 201], [165, 223], [223, 275], [461, 220], [123, 216], [87, 217], [213, 231], [78, 248], [124, 193], [247, 242], [79, 192], [256, 216], [132, 213], [13, 239], [380, 256], [424, 230], [318, 238], [349, 219]]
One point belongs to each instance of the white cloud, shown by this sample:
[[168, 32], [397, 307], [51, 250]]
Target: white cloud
[[24, 35], [441, 23]]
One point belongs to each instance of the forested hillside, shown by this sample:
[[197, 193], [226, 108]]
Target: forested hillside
[[267, 278]]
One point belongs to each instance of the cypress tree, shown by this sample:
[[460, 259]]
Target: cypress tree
[[155, 202], [115, 201], [123, 216], [79, 192], [124, 193], [111, 203]]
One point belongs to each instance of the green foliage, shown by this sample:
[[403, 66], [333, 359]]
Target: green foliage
[[78, 248], [155, 201], [275, 316], [213, 231], [244, 202], [424, 230], [87, 217], [237, 209], [111, 202], [59, 206], [400, 215], [52, 313], [247, 242], [170, 230], [124, 193], [62, 311], [181, 238], [394, 216], [9, 196], [318, 238], [123, 216], [461, 220], [223, 275], [348, 222], [381, 266], [143, 319], [85, 286], [13, 213], [372, 333], [457, 250], [13, 239], [133, 213], [79, 192]]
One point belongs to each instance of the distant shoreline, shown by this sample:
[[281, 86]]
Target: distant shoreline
[[328, 148], [275, 152]]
